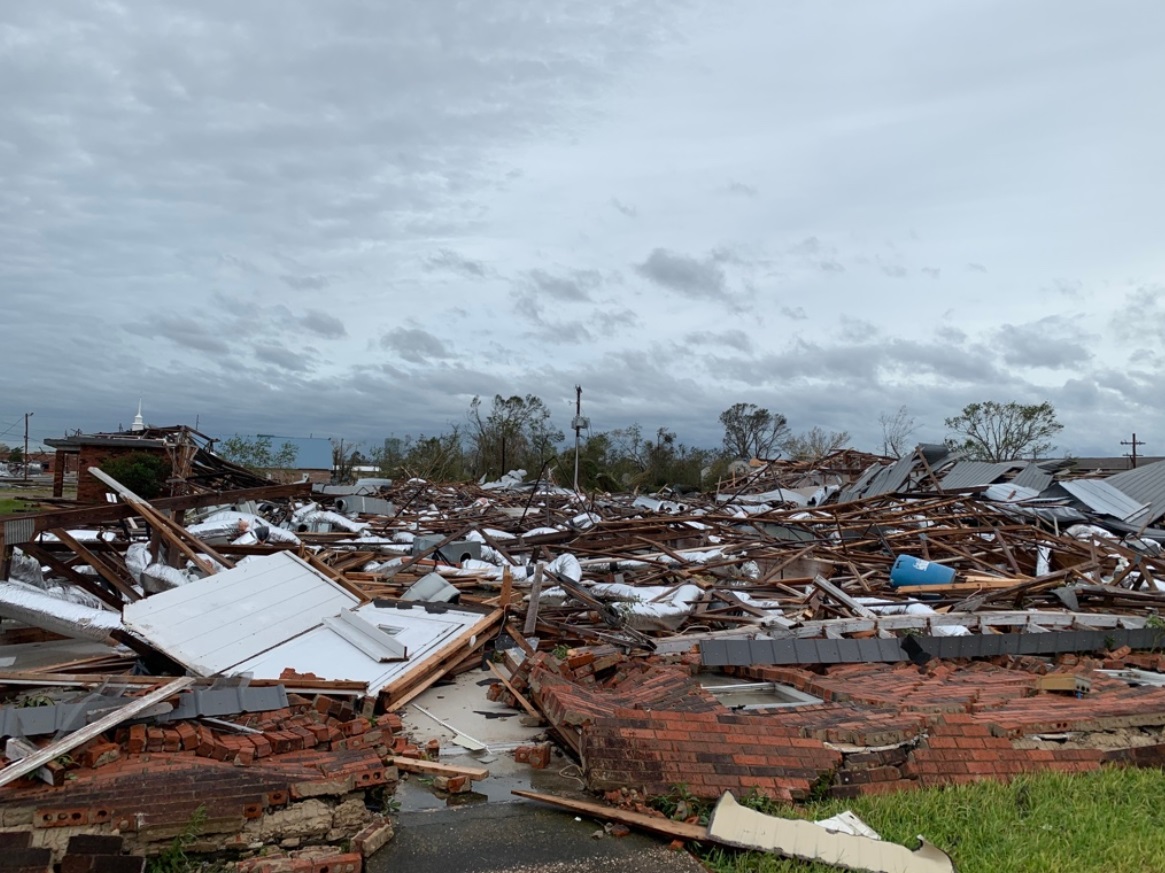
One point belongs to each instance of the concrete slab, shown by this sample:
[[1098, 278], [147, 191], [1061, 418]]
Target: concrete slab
[[463, 704]]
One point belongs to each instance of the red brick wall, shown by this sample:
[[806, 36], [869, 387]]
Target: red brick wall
[[89, 488]]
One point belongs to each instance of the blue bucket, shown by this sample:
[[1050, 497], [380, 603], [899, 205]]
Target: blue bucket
[[908, 570]]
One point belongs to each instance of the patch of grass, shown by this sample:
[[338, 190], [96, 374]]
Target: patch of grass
[[680, 804], [1105, 822], [15, 506]]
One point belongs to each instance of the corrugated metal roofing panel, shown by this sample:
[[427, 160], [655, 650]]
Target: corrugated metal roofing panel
[[970, 474], [1100, 496], [1033, 476], [1146, 485]]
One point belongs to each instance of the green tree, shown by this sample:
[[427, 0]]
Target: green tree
[[515, 433], [16, 455], [751, 431], [991, 431], [143, 473], [257, 454]]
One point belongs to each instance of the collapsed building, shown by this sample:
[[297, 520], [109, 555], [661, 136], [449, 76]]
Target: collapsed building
[[231, 661]]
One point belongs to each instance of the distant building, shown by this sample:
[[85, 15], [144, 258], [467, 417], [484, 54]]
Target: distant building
[[84, 450], [1108, 466], [313, 457]]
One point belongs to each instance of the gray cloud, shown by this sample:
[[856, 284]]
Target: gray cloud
[[687, 276], [742, 189], [1054, 342], [723, 340], [572, 287], [306, 283], [629, 211], [323, 324], [415, 345], [894, 271], [289, 359], [192, 196], [183, 331], [456, 263]]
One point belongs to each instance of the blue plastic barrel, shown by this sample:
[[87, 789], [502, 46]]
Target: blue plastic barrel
[[908, 570]]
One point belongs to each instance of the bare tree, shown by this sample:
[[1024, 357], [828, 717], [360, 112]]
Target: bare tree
[[991, 431], [815, 444], [751, 431], [896, 432]]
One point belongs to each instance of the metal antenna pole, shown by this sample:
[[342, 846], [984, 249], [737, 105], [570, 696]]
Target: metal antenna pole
[[27, 416], [577, 430]]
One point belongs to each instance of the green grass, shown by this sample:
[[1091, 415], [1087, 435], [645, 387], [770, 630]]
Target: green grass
[[1107, 822], [11, 506]]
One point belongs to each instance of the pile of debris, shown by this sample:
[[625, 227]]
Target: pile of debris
[[858, 625]]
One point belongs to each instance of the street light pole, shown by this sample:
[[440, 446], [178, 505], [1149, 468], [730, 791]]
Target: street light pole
[[27, 416]]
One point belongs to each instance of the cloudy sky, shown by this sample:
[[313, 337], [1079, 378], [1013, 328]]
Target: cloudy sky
[[346, 219]]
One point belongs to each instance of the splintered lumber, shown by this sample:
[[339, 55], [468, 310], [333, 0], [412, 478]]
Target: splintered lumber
[[67, 743], [104, 570], [433, 768], [971, 585], [535, 596], [842, 598], [522, 701], [664, 826], [172, 532]]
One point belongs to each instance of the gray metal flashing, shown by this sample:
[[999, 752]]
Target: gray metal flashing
[[748, 653], [32, 721]]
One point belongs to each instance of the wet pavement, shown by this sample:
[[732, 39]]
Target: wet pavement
[[518, 836], [489, 829]]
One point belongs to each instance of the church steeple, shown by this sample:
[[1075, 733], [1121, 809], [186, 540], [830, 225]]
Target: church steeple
[[139, 423]]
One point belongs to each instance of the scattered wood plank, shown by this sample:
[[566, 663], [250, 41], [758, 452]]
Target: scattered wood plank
[[676, 830], [433, 768]]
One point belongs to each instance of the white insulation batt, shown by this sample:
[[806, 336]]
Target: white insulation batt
[[36, 608], [229, 524], [638, 604]]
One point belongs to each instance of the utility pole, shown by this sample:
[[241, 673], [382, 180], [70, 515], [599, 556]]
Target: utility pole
[[578, 424], [1134, 442], [27, 416]]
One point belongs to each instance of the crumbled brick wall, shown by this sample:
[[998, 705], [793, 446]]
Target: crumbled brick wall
[[709, 752], [650, 726], [147, 782]]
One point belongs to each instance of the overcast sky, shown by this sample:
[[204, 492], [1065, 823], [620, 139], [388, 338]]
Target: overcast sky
[[346, 219]]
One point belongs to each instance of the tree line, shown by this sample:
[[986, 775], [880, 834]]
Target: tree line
[[517, 432]]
